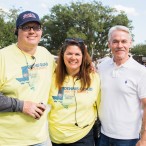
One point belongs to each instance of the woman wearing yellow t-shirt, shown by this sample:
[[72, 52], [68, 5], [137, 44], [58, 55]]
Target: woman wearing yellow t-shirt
[[73, 97]]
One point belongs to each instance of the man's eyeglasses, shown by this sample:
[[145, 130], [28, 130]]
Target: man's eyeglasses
[[28, 28], [76, 40]]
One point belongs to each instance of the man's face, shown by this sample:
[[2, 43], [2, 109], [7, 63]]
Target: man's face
[[29, 34], [119, 44]]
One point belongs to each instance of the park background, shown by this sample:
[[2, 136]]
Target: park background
[[65, 18]]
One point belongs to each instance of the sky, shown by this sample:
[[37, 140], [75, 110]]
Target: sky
[[135, 10]]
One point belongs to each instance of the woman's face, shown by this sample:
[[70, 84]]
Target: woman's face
[[73, 59]]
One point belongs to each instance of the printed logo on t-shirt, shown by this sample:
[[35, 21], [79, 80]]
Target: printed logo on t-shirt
[[66, 95], [30, 76]]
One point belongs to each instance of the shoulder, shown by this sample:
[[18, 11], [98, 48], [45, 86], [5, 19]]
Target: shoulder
[[42, 51], [95, 76], [7, 51], [8, 48], [137, 66], [95, 81], [105, 64]]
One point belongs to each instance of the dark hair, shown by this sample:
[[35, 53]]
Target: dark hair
[[85, 68], [16, 32]]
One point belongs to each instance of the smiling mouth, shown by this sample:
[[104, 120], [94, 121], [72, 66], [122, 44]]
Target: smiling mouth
[[119, 49], [32, 36], [72, 62]]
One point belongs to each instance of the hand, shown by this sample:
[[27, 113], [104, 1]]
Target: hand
[[141, 143], [93, 67], [34, 110]]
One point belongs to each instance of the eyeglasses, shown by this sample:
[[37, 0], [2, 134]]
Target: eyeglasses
[[28, 28], [76, 40]]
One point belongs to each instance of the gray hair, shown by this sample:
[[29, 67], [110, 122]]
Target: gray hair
[[119, 27]]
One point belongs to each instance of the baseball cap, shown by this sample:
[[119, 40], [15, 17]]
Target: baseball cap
[[27, 16]]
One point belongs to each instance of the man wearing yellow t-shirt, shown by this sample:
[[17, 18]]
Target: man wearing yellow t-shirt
[[25, 77]]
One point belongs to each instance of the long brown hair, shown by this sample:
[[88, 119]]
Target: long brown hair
[[85, 68]]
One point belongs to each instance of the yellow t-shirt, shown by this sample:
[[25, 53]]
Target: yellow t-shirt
[[18, 80], [70, 106]]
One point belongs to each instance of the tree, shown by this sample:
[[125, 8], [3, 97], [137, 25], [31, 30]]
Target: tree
[[7, 25], [139, 50], [89, 21]]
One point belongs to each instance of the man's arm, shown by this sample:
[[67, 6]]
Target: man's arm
[[142, 141], [8, 104]]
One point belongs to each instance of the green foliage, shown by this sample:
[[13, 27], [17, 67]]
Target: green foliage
[[139, 50], [89, 21], [7, 25]]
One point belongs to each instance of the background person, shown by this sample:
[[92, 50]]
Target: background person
[[25, 74], [123, 83], [73, 97]]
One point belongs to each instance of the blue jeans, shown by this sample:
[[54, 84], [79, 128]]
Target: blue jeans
[[88, 140], [107, 141]]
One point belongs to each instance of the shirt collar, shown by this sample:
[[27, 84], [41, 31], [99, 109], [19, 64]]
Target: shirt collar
[[126, 64]]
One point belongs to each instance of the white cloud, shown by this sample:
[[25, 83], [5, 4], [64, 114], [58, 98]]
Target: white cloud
[[127, 10], [4, 9], [44, 5]]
